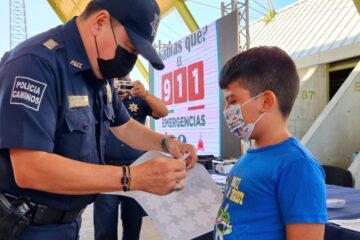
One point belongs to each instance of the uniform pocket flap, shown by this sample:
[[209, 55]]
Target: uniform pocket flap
[[79, 119]]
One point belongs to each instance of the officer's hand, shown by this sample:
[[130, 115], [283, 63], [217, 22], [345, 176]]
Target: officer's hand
[[159, 175], [139, 90], [178, 149], [123, 95]]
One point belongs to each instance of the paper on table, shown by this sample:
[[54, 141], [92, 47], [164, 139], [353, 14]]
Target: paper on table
[[219, 178], [181, 215], [352, 224]]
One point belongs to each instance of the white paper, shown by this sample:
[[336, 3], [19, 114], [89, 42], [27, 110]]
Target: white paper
[[186, 214], [221, 179], [353, 224]]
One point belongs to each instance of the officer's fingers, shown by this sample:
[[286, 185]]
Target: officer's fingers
[[191, 160], [181, 184], [123, 95], [138, 82], [177, 165], [136, 90], [176, 152], [180, 175]]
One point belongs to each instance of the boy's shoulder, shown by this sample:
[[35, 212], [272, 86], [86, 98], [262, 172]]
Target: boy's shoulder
[[298, 158], [288, 152]]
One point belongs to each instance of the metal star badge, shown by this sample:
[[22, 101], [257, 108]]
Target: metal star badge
[[133, 107], [155, 25]]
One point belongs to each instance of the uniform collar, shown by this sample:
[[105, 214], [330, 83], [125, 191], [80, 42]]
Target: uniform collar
[[75, 50]]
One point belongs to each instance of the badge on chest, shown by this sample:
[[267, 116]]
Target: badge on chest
[[78, 101], [133, 107]]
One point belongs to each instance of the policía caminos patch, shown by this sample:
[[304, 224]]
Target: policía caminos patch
[[27, 92]]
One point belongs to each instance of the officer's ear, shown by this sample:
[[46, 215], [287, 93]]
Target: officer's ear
[[101, 19]]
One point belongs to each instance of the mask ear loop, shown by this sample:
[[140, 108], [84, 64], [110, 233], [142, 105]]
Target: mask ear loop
[[251, 99], [96, 45], [257, 120], [112, 29]]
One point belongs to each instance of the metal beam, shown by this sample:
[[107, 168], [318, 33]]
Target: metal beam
[[186, 15], [166, 6], [74, 9], [357, 5], [57, 10]]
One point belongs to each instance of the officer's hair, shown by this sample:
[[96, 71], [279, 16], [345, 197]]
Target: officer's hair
[[92, 8], [264, 68]]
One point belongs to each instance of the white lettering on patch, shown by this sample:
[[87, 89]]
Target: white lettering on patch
[[27, 92]]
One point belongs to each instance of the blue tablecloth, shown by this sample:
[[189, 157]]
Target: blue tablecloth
[[351, 210]]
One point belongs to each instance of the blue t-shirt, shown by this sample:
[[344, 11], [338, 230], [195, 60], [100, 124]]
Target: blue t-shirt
[[270, 187]]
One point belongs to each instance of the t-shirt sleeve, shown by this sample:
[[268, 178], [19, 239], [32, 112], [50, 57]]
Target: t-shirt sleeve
[[147, 110], [121, 114], [302, 192], [28, 104]]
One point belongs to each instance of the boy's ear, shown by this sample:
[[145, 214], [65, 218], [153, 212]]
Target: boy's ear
[[269, 101]]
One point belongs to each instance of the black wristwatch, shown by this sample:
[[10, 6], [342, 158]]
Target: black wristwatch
[[164, 143]]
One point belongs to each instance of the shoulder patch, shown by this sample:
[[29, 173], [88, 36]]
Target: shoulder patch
[[27, 92], [50, 44]]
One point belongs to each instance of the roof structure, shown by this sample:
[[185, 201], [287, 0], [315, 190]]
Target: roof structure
[[312, 31], [66, 9]]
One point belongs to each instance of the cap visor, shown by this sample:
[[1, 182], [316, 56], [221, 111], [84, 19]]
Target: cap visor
[[146, 49]]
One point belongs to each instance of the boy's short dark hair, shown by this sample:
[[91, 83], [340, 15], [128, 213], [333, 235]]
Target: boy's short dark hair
[[264, 68]]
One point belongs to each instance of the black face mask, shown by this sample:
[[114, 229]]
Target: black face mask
[[118, 67]]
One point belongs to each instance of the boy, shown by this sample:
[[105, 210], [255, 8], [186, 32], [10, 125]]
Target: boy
[[277, 189]]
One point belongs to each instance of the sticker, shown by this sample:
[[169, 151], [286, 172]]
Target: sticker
[[78, 101], [27, 92]]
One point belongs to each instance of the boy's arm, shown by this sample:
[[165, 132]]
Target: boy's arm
[[303, 231]]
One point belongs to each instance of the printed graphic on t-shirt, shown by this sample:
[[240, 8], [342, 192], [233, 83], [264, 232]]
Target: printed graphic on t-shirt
[[232, 195], [223, 224]]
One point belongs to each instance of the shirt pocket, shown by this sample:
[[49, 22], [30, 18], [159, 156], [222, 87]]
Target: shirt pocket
[[79, 141], [79, 119]]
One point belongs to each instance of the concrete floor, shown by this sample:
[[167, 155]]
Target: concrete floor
[[148, 230]]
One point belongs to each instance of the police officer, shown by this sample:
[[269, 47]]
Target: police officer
[[56, 106], [140, 104]]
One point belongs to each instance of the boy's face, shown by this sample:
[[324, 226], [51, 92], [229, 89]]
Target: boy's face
[[235, 94]]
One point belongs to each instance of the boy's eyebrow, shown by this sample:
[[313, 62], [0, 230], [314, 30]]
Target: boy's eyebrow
[[227, 94]]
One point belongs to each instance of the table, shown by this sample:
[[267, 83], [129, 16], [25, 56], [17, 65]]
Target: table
[[351, 210]]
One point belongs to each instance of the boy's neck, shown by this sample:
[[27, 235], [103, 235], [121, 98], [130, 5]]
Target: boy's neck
[[272, 138]]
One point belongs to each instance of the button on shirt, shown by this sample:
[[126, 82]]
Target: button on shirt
[[51, 101], [118, 152]]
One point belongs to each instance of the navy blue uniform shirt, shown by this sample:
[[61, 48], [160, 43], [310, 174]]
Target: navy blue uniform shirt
[[51, 101], [118, 152]]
